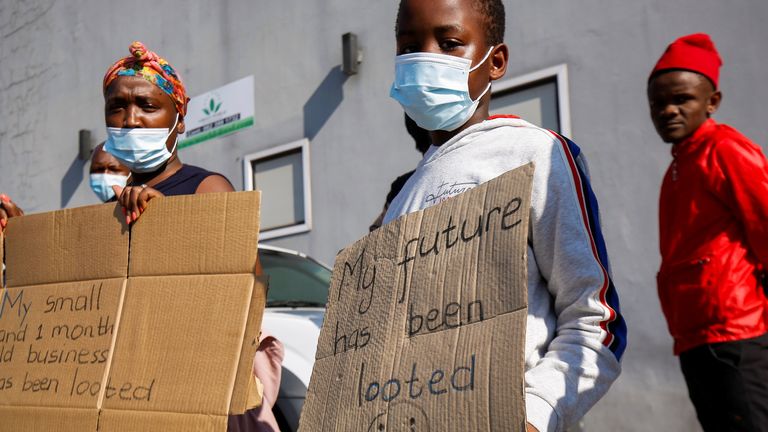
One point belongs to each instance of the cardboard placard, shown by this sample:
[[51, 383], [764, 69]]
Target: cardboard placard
[[102, 329], [425, 325]]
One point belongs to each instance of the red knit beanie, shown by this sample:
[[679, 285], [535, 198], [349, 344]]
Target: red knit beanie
[[695, 53]]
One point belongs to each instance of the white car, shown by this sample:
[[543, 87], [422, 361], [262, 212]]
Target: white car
[[298, 291]]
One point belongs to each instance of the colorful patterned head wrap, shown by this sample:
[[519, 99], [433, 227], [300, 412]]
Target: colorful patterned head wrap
[[150, 66]]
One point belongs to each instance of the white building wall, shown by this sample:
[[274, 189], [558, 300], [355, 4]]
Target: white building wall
[[53, 55]]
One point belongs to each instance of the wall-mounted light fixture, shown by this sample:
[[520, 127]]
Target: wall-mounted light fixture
[[85, 145], [351, 53]]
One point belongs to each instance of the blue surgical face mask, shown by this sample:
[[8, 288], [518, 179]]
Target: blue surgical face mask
[[140, 149], [101, 184], [434, 89]]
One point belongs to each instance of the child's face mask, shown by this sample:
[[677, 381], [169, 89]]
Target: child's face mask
[[140, 149], [434, 89], [101, 185]]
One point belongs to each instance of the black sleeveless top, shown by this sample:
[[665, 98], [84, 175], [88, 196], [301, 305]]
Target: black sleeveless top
[[185, 181]]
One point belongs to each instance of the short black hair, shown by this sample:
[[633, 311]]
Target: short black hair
[[493, 13], [495, 19]]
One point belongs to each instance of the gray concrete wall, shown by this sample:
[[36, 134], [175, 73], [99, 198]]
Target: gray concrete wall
[[53, 56]]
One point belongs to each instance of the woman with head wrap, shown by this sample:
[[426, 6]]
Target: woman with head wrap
[[144, 106]]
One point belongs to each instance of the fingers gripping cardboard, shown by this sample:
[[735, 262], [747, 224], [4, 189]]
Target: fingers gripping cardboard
[[425, 325], [100, 332]]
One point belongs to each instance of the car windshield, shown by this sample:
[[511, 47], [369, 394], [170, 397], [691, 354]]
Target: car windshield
[[294, 281]]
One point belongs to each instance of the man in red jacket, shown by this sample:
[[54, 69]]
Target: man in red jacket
[[713, 217]]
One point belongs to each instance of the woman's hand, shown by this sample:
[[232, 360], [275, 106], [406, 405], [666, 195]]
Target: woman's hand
[[134, 200], [8, 209]]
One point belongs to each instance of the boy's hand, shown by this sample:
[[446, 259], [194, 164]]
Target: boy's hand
[[134, 200], [530, 428], [8, 209]]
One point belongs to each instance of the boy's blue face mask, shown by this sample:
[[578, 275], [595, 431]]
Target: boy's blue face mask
[[140, 149], [434, 89]]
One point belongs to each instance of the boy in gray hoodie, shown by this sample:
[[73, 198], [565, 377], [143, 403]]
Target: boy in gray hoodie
[[448, 53]]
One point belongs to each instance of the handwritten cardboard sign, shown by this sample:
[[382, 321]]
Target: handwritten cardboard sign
[[103, 328], [426, 316]]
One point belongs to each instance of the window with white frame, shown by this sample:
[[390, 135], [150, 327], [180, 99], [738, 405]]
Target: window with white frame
[[282, 175], [540, 97]]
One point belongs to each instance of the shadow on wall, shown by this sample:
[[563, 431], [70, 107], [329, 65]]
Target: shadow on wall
[[71, 181], [324, 101]]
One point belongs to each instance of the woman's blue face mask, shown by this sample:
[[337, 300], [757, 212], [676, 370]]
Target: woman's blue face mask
[[140, 149]]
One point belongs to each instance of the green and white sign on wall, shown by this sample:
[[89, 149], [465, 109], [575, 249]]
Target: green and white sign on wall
[[219, 112]]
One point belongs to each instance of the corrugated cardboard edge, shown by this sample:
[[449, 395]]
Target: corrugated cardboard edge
[[27, 418], [108, 367], [246, 391], [2, 260], [158, 421]]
